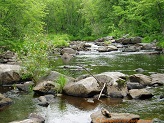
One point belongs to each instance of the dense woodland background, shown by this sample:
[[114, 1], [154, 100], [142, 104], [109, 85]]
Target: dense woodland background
[[81, 19]]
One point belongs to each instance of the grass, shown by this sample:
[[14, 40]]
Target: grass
[[61, 81]]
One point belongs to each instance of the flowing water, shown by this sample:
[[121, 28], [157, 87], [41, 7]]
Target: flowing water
[[67, 109]]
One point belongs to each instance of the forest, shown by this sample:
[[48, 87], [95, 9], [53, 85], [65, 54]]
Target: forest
[[22, 20]]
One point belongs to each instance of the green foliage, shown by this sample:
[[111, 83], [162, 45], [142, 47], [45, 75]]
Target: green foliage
[[58, 40], [61, 81], [20, 18], [34, 59]]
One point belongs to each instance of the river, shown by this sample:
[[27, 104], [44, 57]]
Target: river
[[67, 109]]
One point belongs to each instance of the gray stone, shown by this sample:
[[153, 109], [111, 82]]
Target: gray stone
[[140, 94], [132, 85], [157, 79], [98, 117], [45, 87], [66, 57], [141, 78], [9, 74], [25, 86], [84, 88], [54, 75]]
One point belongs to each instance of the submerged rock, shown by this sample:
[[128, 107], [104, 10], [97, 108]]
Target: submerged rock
[[9, 74], [98, 117], [140, 94], [4, 101], [33, 118]]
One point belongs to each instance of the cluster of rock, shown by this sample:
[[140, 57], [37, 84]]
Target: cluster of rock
[[108, 44], [8, 57]]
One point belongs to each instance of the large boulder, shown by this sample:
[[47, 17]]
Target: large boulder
[[66, 57], [141, 78], [9, 74], [115, 76], [102, 117], [113, 81], [4, 101], [84, 88], [157, 79], [45, 87], [140, 94]]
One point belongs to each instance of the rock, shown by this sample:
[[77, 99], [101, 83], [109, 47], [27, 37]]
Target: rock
[[33, 118], [140, 94], [66, 57], [115, 92], [78, 45], [46, 100], [9, 74], [43, 101], [132, 85], [54, 75], [45, 87], [139, 70], [147, 46], [25, 86], [68, 51], [130, 48], [103, 49], [82, 77], [140, 78], [133, 40], [114, 75], [98, 117], [4, 101], [161, 97], [145, 121], [8, 57], [157, 79], [87, 87], [107, 48]]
